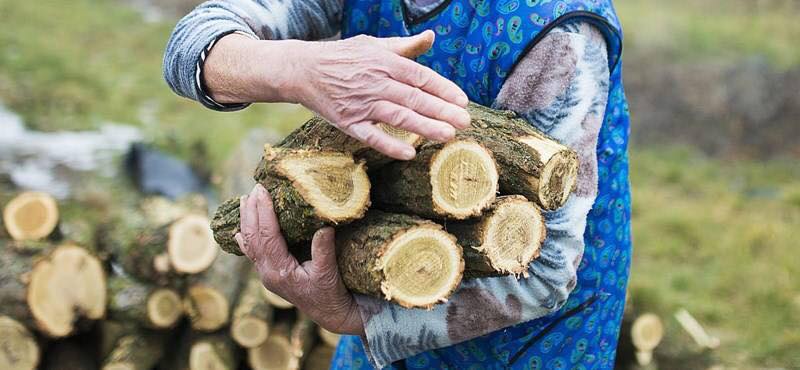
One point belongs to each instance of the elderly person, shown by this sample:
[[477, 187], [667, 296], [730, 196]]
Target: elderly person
[[414, 64]]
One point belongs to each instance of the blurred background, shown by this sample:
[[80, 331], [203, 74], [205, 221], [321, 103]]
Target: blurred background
[[714, 89]]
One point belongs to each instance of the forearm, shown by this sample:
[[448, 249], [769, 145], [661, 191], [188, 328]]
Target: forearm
[[261, 19], [234, 72]]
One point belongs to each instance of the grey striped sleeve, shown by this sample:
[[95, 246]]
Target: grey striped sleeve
[[264, 19]]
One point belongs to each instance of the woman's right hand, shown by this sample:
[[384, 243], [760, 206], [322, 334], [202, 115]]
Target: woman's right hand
[[353, 83], [357, 82]]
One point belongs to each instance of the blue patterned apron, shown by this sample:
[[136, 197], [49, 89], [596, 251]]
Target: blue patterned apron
[[478, 43]]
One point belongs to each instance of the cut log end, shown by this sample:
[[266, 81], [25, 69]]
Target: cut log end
[[19, 348], [332, 183], [30, 216], [208, 309], [249, 331], [274, 353], [329, 338], [463, 179], [164, 308], [204, 356], [191, 245], [513, 235], [68, 284], [647, 332], [559, 174], [421, 267], [407, 137]]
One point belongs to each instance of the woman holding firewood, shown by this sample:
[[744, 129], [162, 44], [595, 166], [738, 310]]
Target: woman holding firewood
[[555, 63]]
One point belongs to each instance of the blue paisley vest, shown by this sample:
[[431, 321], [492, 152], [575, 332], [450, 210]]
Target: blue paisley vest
[[478, 43]]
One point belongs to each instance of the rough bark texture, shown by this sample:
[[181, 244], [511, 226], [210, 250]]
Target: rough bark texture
[[319, 134], [20, 351], [298, 218], [407, 186], [252, 316], [129, 301], [520, 164], [473, 237], [136, 350], [69, 354], [211, 294], [361, 246]]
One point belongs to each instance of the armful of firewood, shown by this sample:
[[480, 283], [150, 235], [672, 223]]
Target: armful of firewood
[[572, 86]]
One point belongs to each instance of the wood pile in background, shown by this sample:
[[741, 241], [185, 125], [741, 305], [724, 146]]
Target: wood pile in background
[[147, 290]]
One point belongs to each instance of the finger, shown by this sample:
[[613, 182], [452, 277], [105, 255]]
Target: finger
[[248, 224], [374, 137], [323, 250], [406, 119], [411, 46], [428, 105], [277, 259], [414, 74]]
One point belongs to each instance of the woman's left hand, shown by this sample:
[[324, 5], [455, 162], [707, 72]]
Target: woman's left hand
[[314, 287]]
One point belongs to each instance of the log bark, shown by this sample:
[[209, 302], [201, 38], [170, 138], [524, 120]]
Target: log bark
[[210, 295], [504, 240], [31, 216], [399, 257], [135, 349], [204, 351], [147, 305], [161, 254], [20, 351], [69, 354], [286, 347], [52, 289], [252, 316], [455, 180], [531, 163], [309, 190], [319, 134]]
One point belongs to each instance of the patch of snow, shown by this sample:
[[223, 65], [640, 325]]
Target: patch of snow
[[55, 161]]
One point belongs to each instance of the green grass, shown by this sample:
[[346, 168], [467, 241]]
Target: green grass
[[713, 29], [77, 64], [718, 238]]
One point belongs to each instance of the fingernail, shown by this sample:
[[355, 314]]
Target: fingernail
[[239, 240], [254, 192], [408, 153], [464, 118]]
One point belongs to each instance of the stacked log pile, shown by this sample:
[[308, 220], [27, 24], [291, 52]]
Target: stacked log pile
[[409, 231], [146, 290]]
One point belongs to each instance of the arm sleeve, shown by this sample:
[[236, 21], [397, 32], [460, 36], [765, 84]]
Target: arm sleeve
[[561, 87], [263, 19]]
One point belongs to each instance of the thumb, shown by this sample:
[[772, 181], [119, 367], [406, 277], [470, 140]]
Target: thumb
[[323, 250], [412, 46]]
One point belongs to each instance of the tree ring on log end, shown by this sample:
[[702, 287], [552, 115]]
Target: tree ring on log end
[[331, 182], [274, 353], [68, 283], [249, 332], [647, 332], [204, 356], [191, 246], [463, 179], [421, 267], [513, 235], [276, 300], [559, 175], [30, 216], [407, 137], [19, 348], [164, 308], [207, 308]]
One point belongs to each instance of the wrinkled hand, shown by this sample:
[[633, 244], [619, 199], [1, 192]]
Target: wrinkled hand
[[315, 286], [357, 82]]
